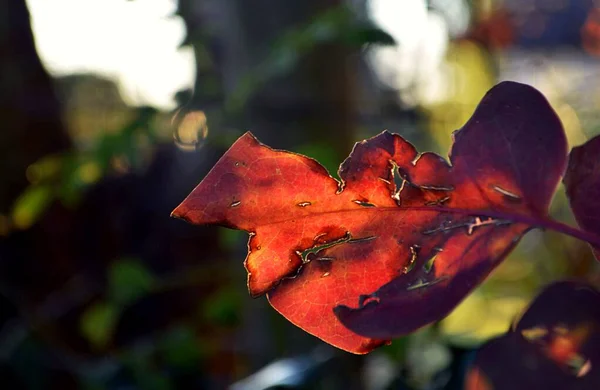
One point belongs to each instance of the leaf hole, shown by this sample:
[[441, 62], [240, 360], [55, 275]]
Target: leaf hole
[[363, 203], [479, 222], [438, 202], [309, 254], [398, 175], [422, 283], [508, 195], [428, 266], [414, 254]]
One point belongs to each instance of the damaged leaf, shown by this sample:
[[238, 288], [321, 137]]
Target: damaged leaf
[[403, 236]]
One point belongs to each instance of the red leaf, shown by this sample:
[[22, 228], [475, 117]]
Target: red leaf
[[554, 345], [582, 182], [404, 236]]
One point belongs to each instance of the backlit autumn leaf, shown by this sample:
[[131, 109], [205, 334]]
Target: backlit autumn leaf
[[403, 236]]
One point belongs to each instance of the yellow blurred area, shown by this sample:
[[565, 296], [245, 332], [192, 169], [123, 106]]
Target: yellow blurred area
[[571, 123], [98, 323], [470, 71], [30, 204], [44, 169], [469, 78], [92, 107], [482, 316], [89, 172], [190, 128], [493, 307]]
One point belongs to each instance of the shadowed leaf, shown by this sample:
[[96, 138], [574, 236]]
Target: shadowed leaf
[[582, 182], [555, 345]]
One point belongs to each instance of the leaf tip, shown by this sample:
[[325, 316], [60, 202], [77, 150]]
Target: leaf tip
[[180, 212]]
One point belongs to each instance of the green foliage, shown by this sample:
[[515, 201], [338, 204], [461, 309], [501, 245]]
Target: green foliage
[[65, 176], [129, 280], [98, 323], [224, 307], [31, 205]]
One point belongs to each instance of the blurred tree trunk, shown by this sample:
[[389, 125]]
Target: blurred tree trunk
[[317, 99], [29, 110]]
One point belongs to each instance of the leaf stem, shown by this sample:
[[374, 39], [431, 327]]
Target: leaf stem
[[540, 222]]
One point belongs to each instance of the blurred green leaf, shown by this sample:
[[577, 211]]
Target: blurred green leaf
[[322, 30], [363, 35], [152, 380], [396, 351], [45, 169], [224, 307], [31, 205], [146, 374], [283, 62], [129, 280], [98, 323]]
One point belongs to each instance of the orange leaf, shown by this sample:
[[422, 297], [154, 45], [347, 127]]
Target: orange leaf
[[403, 237]]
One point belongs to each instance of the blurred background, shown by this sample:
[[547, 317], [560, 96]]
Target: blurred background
[[111, 111]]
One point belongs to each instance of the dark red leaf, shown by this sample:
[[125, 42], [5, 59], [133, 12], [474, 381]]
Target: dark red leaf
[[403, 237], [555, 345], [508, 157], [582, 182]]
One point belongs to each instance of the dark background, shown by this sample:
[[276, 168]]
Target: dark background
[[100, 289]]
